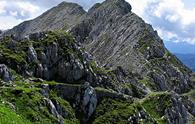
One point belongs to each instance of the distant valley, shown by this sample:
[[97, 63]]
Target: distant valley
[[188, 60], [184, 51]]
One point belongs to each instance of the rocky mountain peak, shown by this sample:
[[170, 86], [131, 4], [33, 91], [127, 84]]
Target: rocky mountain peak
[[111, 7], [102, 66], [71, 6], [60, 17]]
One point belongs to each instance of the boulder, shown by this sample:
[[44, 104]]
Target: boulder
[[86, 101], [5, 74], [32, 55], [53, 110]]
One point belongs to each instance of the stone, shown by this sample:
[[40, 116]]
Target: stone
[[87, 100], [177, 114], [32, 55], [53, 110], [5, 74]]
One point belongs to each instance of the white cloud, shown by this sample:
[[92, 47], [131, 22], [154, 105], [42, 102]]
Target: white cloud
[[27, 8], [177, 10], [14, 12], [2, 6], [7, 22], [139, 6], [171, 18]]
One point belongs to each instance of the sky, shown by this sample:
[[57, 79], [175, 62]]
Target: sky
[[173, 19]]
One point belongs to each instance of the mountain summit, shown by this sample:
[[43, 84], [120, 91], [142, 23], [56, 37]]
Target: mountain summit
[[107, 65], [60, 17]]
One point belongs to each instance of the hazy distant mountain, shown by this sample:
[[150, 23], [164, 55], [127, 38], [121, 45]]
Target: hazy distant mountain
[[181, 47], [187, 59]]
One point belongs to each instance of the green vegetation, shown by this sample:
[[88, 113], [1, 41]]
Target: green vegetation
[[148, 83], [156, 103], [106, 38], [70, 117], [145, 45], [111, 111], [145, 42], [8, 116], [174, 61], [97, 69], [14, 54], [193, 77], [11, 57], [31, 105], [190, 95]]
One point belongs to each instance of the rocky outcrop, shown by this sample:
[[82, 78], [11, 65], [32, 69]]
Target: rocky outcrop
[[32, 55], [86, 101], [5, 73], [53, 110], [178, 113], [124, 39], [120, 39], [141, 116]]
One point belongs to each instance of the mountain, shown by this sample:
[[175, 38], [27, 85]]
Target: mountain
[[106, 65], [180, 47], [187, 59], [60, 17]]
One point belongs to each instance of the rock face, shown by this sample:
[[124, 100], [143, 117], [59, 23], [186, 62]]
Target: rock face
[[121, 39], [5, 74], [32, 55], [53, 110], [178, 114], [86, 100], [124, 39], [53, 60]]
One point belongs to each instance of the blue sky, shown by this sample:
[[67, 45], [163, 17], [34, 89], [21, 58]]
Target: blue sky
[[173, 19]]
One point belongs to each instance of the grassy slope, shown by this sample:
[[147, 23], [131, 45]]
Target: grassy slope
[[8, 116], [30, 105], [111, 111]]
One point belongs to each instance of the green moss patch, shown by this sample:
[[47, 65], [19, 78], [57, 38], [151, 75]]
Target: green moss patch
[[190, 95], [156, 103], [70, 117], [97, 69], [8, 116], [111, 111]]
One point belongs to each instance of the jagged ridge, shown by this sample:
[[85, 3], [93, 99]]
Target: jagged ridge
[[116, 61]]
